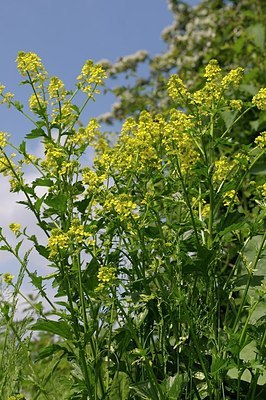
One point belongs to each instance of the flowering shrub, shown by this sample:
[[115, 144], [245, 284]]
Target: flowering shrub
[[156, 250]]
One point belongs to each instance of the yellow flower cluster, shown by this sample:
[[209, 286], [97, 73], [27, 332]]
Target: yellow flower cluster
[[17, 397], [262, 189], [91, 75], [8, 278], [3, 139], [106, 277], [7, 97], [30, 63], [212, 92], [221, 170], [233, 78], [177, 90], [92, 179], [9, 168], [65, 115], [212, 70], [229, 197], [68, 167], [178, 139], [30, 159], [236, 104], [36, 102], [60, 240], [76, 232], [259, 100], [122, 204], [56, 88], [205, 212], [136, 147], [55, 155], [261, 140], [84, 136], [15, 227]]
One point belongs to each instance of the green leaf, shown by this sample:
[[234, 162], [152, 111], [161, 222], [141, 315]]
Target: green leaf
[[57, 202], [42, 250], [82, 205], [42, 182], [230, 222], [50, 350], [257, 34], [36, 280], [246, 375], [22, 147], [249, 88], [18, 247], [38, 203], [4, 248], [249, 352], [60, 328], [174, 386], [229, 117], [35, 133], [120, 386]]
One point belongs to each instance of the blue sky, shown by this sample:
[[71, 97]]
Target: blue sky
[[64, 33]]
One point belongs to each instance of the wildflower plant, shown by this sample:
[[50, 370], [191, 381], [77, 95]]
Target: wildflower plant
[[156, 250]]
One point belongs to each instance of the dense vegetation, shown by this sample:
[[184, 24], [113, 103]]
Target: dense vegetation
[[156, 243]]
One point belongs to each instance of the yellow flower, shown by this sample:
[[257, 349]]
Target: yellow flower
[[91, 76], [36, 102], [259, 100], [54, 157], [3, 139], [122, 204], [236, 104], [221, 170], [77, 232], [56, 88], [29, 63], [261, 140], [263, 189], [177, 89], [233, 78], [66, 115], [58, 240], [15, 227], [106, 277], [212, 70], [84, 136], [229, 197], [8, 278]]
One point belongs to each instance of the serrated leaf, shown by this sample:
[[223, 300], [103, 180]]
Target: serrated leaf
[[36, 133], [42, 182]]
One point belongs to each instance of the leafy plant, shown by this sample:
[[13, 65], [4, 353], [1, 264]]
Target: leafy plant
[[156, 250]]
